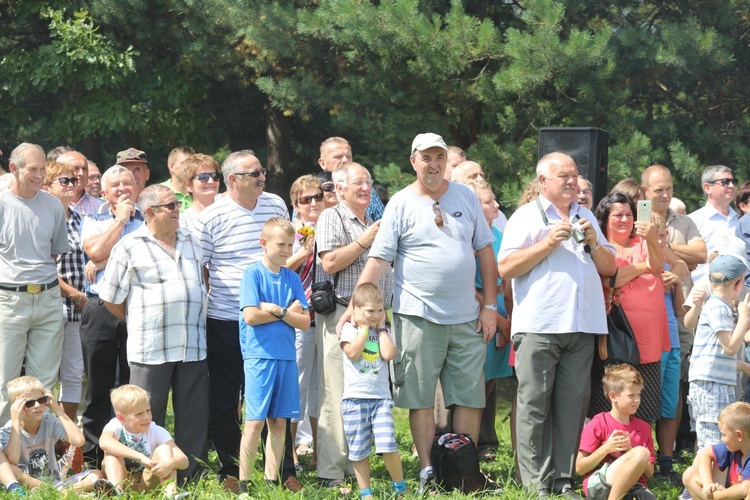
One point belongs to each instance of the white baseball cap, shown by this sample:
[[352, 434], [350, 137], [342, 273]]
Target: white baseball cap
[[427, 141]]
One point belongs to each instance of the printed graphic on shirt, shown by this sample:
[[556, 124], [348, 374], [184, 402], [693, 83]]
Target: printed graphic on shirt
[[369, 359], [134, 443]]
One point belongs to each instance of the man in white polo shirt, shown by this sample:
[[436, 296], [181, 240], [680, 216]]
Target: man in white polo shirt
[[558, 308], [230, 238]]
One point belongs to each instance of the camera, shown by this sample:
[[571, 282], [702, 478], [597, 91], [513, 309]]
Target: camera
[[577, 233]]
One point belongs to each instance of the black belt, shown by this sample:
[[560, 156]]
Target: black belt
[[30, 288]]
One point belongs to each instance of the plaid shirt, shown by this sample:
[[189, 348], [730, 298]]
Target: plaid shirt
[[70, 265], [166, 297], [337, 227], [87, 205]]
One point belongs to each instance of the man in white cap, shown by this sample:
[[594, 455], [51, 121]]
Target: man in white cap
[[429, 231]]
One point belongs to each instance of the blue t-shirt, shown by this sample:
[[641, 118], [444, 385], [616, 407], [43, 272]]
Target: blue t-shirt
[[274, 340], [739, 466]]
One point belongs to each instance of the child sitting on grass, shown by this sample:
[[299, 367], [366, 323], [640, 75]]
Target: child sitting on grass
[[28, 440], [366, 405], [722, 471], [136, 450], [272, 305], [616, 453]]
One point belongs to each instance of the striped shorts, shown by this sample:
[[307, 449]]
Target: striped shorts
[[365, 418], [707, 400]]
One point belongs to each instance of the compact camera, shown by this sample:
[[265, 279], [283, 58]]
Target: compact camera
[[576, 232]]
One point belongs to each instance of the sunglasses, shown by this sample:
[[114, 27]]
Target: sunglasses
[[438, 214], [328, 187], [32, 402], [214, 176], [254, 174], [306, 200], [175, 205], [64, 181], [724, 182]]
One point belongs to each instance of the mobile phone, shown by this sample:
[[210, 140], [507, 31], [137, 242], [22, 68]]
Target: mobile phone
[[644, 211]]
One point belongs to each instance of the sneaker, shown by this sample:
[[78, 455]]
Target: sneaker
[[16, 490], [292, 484], [427, 483], [491, 487], [298, 468], [105, 487], [671, 477]]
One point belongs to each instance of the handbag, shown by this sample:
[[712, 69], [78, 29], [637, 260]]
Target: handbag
[[323, 298], [619, 346]]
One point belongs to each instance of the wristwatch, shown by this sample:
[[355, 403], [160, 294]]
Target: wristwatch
[[491, 307], [283, 312]]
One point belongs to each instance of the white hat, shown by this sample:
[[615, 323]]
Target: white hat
[[427, 141], [732, 245]]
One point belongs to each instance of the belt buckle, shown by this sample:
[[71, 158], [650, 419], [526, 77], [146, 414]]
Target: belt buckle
[[34, 288]]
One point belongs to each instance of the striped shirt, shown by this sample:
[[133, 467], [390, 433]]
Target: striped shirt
[[230, 237], [70, 265], [166, 306], [87, 205], [709, 362]]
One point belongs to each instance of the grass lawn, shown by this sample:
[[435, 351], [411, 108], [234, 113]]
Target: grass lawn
[[501, 470]]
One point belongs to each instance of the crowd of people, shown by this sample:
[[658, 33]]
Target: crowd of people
[[126, 293]]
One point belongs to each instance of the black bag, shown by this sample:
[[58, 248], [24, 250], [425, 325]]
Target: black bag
[[620, 345], [323, 298], [456, 463]]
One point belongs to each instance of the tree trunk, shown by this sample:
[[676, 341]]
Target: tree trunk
[[277, 144]]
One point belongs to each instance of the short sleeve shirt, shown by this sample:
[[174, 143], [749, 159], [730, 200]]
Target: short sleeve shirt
[[709, 362], [144, 442], [367, 377], [739, 466], [38, 450]]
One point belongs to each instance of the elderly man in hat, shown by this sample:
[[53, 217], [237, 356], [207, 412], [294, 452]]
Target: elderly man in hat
[[135, 160]]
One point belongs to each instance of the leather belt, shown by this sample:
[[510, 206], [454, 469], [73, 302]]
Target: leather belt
[[30, 288]]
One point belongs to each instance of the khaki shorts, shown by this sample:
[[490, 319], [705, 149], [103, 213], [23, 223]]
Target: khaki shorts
[[427, 351], [142, 481]]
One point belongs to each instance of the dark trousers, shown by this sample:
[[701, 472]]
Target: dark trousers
[[103, 339], [226, 389], [189, 384]]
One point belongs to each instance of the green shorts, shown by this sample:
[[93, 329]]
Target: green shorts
[[427, 352]]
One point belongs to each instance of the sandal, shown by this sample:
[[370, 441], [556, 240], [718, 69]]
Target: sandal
[[304, 450]]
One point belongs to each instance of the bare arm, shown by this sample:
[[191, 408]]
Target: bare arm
[[334, 261], [387, 347], [524, 260], [178, 461], [487, 322], [732, 341], [73, 433], [694, 252], [300, 256], [78, 298], [267, 312], [112, 446], [117, 310], [99, 247]]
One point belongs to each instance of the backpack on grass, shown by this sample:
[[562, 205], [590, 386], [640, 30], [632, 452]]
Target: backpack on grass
[[456, 463]]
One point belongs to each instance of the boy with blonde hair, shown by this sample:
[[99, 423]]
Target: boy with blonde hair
[[272, 305], [616, 453], [138, 450], [28, 440], [722, 471], [366, 405]]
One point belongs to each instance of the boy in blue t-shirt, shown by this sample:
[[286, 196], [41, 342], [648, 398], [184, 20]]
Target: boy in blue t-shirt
[[272, 305], [723, 470]]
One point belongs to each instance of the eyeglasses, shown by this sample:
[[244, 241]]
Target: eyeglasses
[[64, 181], [172, 206], [438, 214], [724, 182], [359, 182], [586, 191], [306, 200], [203, 177], [328, 187], [254, 174], [32, 402]]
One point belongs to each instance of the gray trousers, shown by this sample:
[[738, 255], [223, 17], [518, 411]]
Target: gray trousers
[[189, 384], [554, 383]]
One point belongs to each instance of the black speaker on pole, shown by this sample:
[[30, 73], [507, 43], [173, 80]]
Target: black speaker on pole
[[589, 148]]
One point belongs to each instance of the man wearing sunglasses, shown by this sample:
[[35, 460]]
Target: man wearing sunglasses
[[103, 335], [83, 203], [33, 232], [716, 219], [156, 276], [334, 152], [230, 237]]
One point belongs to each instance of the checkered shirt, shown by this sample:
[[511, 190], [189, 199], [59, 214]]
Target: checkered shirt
[[87, 205], [70, 265]]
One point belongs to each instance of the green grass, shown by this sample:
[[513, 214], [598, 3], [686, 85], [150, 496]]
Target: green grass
[[501, 470]]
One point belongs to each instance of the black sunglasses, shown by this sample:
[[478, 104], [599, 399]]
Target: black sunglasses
[[306, 200], [64, 181], [32, 402], [214, 176], [255, 174], [328, 187], [724, 182], [169, 206]]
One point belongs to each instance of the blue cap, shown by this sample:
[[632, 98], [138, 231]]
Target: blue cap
[[728, 266]]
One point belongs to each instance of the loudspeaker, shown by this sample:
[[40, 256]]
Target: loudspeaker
[[589, 148]]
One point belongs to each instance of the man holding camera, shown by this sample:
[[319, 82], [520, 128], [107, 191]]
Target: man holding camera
[[558, 305], [344, 234]]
